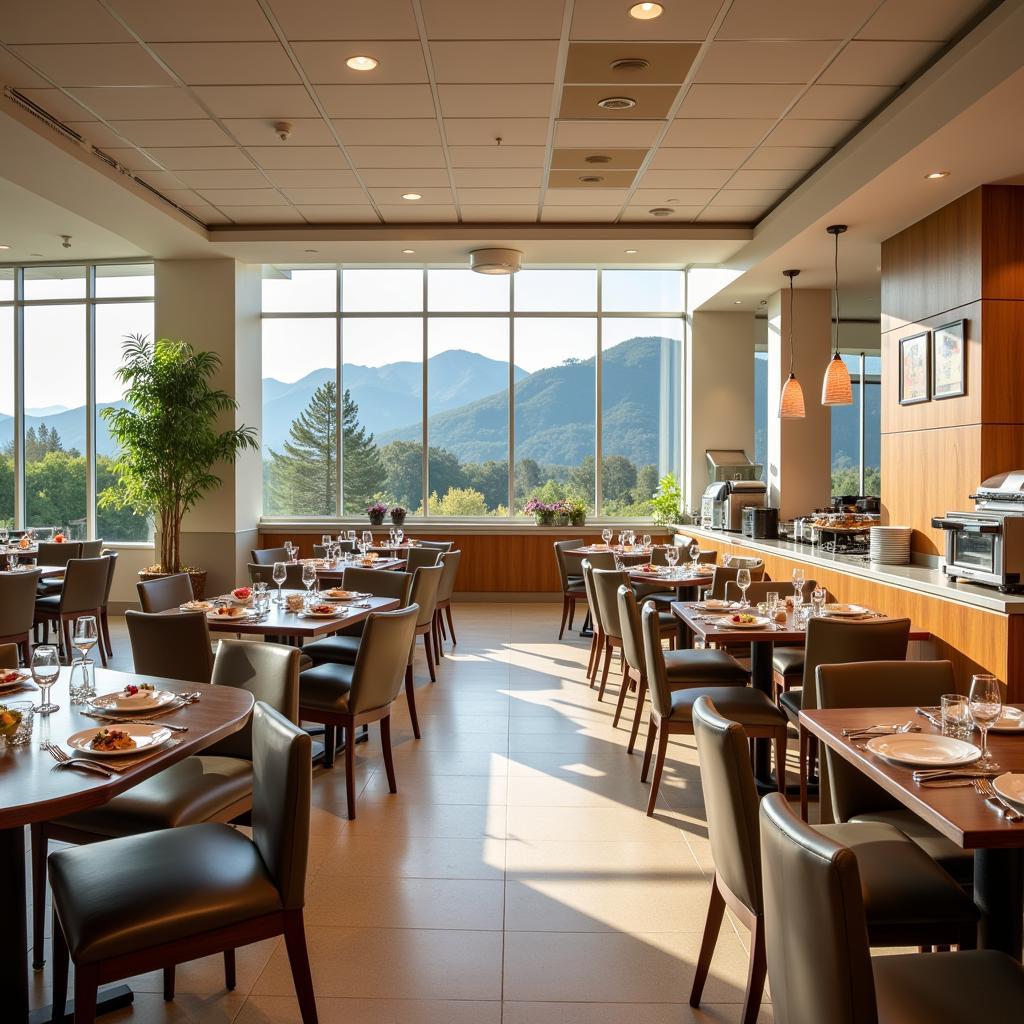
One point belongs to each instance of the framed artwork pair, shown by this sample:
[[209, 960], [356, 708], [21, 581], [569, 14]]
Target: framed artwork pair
[[933, 364]]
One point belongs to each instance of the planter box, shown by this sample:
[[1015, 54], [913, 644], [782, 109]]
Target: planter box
[[196, 576]]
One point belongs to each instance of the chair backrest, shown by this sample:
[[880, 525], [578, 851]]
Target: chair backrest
[[561, 546], [265, 574], [629, 625], [164, 593], [450, 560], [57, 554], [724, 574], [816, 936], [346, 545], [175, 645], [437, 545], [587, 568], [602, 560], [282, 767], [111, 557], [658, 556], [268, 556], [834, 642], [745, 562], [8, 655], [91, 548], [760, 590], [420, 556], [654, 659], [425, 581], [17, 602], [382, 658], [380, 584], [606, 590], [874, 684], [270, 672], [319, 550], [85, 584], [730, 802]]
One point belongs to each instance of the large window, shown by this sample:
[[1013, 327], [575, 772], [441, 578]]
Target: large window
[[64, 326], [459, 394], [857, 430]]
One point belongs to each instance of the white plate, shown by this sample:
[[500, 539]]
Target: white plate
[[759, 623], [15, 684], [719, 607], [924, 750], [1011, 720], [146, 738], [843, 610], [144, 700], [333, 614], [216, 617], [1010, 787]]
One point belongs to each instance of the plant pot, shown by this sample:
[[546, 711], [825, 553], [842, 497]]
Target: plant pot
[[376, 518], [562, 519], [398, 520], [578, 519], [545, 518], [196, 576]]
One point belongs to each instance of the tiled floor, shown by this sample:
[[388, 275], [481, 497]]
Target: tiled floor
[[514, 877]]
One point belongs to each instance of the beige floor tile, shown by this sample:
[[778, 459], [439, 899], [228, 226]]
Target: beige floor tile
[[362, 856], [392, 815], [594, 824], [449, 762], [574, 790], [617, 1013], [285, 1010], [668, 860], [205, 977], [443, 789]]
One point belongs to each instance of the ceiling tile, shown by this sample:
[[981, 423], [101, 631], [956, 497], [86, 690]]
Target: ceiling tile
[[663, 63], [621, 135], [178, 158], [607, 179], [772, 61], [762, 178], [162, 180], [376, 100], [673, 196], [400, 62], [70, 64], [288, 178], [182, 197], [206, 179], [195, 19], [207, 214], [139, 104], [470, 19], [499, 100], [325, 196], [420, 215], [795, 19], [350, 214], [499, 214], [269, 101], [697, 158], [252, 214], [391, 195], [871, 62], [314, 19], [172, 133], [497, 156], [409, 179], [849, 102], [481, 131], [228, 63], [794, 158], [99, 134], [484, 61], [60, 21], [652, 101], [242, 197], [795, 132], [733, 214], [730, 196], [575, 214], [17, 74], [679, 178], [643, 213], [498, 177], [909, 19], [394, 131], [599, 19], [396, 156], [617, 159], [743, 101], [306, 157], [585, 196], [499, 196], [130, 158], [717, 132], [259, 131]]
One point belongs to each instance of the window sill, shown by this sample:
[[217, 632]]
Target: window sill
[[456, 526]]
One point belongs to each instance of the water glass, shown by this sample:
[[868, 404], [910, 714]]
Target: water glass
[[12, 562], [19, 733], [818, 601], [956, 716], [260, 597], [350, 535], [606, 535], [672, 557], [743, 582], [367, 540], [4, 536], [772, 600], [45, 670], [985, 699], [694, 552], [645, 540], [399, 536], [279, 575], [83, 638]]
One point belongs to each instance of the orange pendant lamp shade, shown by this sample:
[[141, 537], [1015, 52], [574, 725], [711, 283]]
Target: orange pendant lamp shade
[[836, 388], [791, 399]]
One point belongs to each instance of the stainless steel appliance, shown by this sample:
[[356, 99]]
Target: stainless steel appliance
[[987, 545], [733, 482], [760, 522]]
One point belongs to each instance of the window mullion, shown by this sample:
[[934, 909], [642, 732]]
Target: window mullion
[[19, 399], [339, 384], [598, 411], [90, 402]]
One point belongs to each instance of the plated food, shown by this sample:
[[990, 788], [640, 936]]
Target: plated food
[[322, 611], [227, 611], [842, 610], [112, 740], [744, 620], [717, 606], [12, 677], [649, 570], [337, 594], [108, 741], [10, 719], [134, 698], [241, 595], [196, 606]]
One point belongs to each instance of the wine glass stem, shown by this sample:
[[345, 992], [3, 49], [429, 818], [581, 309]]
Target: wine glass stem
[[983, 729]]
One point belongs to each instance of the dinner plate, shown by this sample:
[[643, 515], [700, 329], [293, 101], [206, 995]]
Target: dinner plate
[[218, 617], [15, 684], [1011, 720], [843, 610], [924, 750], [758, 623], [1010, 787], [144, 700], [146, 737], [719, 607], [342, 595], [196, 606], [332, 614]]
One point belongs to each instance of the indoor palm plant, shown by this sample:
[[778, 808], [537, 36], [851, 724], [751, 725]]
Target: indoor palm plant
[[168, 439]]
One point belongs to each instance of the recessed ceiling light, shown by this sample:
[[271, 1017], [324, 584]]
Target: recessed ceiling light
[[411, 196], [737, 302], [4, 246], [937, 174], [598, 158], [310, 250], [630, 64], [631, 252], [617, 103], [36, 255], [661, 211], [645, 12], [362, 63], [591, 179], [408, 252]]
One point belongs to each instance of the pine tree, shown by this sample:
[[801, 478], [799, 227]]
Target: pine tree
[[363, 468], [303, 477]]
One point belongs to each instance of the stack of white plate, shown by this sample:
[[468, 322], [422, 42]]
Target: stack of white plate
[[890, 545]]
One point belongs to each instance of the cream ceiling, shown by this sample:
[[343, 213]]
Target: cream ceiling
[[487, 110]]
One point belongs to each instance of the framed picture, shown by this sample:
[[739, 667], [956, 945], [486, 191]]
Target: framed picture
[[949, 361], [914, 367]]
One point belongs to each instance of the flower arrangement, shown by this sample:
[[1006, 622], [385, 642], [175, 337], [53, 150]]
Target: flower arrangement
[[577, 511], [398, 514], [377, 511], [544, 511]]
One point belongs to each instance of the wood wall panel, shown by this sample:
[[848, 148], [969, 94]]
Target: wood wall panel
[[1003, 361], [1002, 254]]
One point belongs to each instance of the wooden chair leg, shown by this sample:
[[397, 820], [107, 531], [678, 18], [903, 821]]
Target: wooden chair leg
[[385, 742], [598, 647], [565, 615], [652, 733], [298, 958], [65, 633], [39, 851], [59, 985], [330, 745], [712, 926], [803, 772], [350, 770], [440, 623], [757, 969], [230, 981], [105, 626], [451, 621], [438, 630], [659, 765], [604, 670], [780, 761], [430, 657], [572, 611], [169, 984], [410, 697], [101, 646], [86, 986], [590, 660], [621, 699], [641, 694]]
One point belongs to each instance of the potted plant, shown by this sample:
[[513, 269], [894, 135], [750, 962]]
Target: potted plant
[[398, 515], [666, 501], [577, 509], [168, 440], [561, 513], [542, 511], [377, 511]]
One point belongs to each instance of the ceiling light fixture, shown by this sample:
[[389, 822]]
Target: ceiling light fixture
[[661, 211], [590, 179], [408, 252], [836, 388], [645, 12], [496, 262], [934, 175], [791, 400], [631, 252], [617, 103], [597, 158], [310, 250], [737, 302], [4, 246], [630, 64], [362, 63], [411, 196]]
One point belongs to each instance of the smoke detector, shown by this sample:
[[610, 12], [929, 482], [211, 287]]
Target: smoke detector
[[495, 261], [283, 129]]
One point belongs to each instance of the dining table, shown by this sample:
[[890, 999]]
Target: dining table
[[335, 573], [45, 571], [956, 811], [33, 789]]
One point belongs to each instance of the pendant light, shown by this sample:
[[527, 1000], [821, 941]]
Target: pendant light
[[791, 401], [836, 388]]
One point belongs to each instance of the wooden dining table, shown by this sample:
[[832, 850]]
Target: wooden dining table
[[45, 571], [958, 813], [32, 789]]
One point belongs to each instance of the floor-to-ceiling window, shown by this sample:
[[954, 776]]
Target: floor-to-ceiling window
[[63, 326], [464, 395], [857, 430]]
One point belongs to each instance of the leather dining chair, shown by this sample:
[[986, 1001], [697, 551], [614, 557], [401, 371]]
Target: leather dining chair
[[425, 582], [175, 646], [268, 556], [596, 632], [820, 966], [347, 696], [83, 593], [265, 574], [606, 583], [111, 557], [437, 545], [50, 553], [421, 556], [570, 582], [18, 609], [215, 785], [446, 588], [672, 709], [724, 574], [853, 796], [909, 900], [91, 548], [832, 641], [165, 593], [146, 902]]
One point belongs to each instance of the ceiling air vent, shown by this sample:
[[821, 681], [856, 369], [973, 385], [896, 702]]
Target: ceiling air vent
[[617, 103], [598, 158], [661, 211], [630, 64]]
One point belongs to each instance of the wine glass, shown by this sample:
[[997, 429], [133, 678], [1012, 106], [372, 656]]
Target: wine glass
[[367, 540], [350, 535], [645, 540], [308, 579], [606, 535], [743, 582], [45, 670], [287, 545], [672, 556], [12, 561], [326, 540], [622, 538], [772, 600], [83, 639], [399, 536], [279, 575], [985, 701], [818, 601], [798, 584], [694, 552], [4, 536]]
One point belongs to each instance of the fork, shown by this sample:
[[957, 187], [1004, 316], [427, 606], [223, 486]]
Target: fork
[[985, 788], [64, 761]]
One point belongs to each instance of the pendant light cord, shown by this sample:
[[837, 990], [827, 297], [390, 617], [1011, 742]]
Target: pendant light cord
[[792, 353], [836, 329]]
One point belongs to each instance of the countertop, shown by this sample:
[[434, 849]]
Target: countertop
[[911, 577]]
